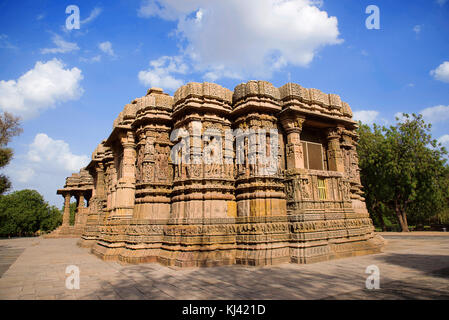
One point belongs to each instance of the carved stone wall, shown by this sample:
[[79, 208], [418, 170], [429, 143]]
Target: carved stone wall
[[180, 179], [260, 194], [97, 202], [202, 200]]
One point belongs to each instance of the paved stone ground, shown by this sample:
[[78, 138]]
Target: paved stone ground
[[8, 255], [412, 266]]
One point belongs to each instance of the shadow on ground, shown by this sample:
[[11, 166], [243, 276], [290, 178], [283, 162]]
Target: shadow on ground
[[8, 255], [284, 282], [429, 264]]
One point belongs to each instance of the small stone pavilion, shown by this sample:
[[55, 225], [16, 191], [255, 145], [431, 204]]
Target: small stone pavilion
[[142, 206], [80, 186]]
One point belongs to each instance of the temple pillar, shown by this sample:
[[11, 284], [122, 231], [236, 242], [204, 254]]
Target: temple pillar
[[66, 215], [203, 200], [260, 191], [335, 156], [99, 190], [81, 203], [153, 173], [126, 184], [78, 210], [295, 153], [109, 186], [94, 210], [153, 177], [80, 216], [113, 191]]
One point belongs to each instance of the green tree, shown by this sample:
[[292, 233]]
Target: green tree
[[73, 208], [403, 170], [51, 220], [371, 163], [9, 127], [23, 213]]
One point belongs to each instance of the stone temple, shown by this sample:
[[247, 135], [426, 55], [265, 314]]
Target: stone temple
[[137, 204]]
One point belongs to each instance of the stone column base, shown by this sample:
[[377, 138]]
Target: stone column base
[[141, 253], [197, 255], [107, 251], [86, 242], [325, 250]]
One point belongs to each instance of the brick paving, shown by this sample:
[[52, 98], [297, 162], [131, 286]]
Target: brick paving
[[412, 266]]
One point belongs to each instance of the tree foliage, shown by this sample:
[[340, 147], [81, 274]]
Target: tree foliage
[[73, 209], [23, 213], [9, 127], [403, 171]]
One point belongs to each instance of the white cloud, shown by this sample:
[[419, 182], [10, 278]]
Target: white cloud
[[217, 72], [96, 58], [4, 42], [400, 116], [44, 165], [168, 10], [366, 116], [251, 37], [160, 73], [417, 29], [42, 87], [106, 47], [441, 2], [25, 175], [93, 15], [62, 46], [47, 152], [444, 140], [436, 114], [441, 73]]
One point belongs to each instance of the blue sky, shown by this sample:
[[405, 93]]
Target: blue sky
[[69, 85]]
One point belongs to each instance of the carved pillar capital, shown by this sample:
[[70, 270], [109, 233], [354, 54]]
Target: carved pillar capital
[[292, 124], [335, 155], [334, 133], [293, 128], [127, 139]]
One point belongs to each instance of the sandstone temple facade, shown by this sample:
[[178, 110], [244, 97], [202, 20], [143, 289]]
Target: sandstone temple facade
[[137, 204]]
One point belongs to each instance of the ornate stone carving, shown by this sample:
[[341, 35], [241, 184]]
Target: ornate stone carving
[[144, 206]]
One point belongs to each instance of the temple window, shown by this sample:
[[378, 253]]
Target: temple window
[[313, 146], [313, 155], [322, 189]]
